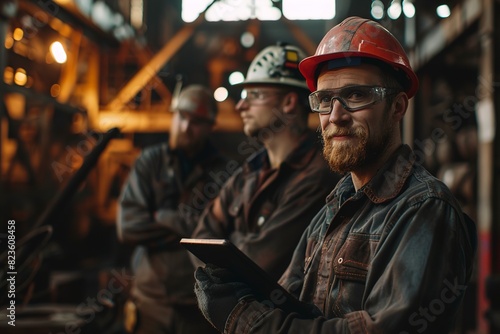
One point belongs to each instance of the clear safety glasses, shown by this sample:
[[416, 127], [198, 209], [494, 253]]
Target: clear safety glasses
[[256, 96], [352, 98]]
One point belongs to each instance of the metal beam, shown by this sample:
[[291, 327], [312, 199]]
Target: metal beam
[[150, 70], [145, 121]]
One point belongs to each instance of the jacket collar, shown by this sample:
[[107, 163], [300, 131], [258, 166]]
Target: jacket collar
[[298, 159], [386, 184]]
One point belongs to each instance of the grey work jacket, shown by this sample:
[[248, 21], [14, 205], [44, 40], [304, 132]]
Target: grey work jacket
[[394, 257], [157, 207]]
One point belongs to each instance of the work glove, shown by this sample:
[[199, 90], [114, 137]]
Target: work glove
[[218, 291]]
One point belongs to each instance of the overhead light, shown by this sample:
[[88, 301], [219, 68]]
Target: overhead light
[[20, 77], [377, 9], [137, 13], [443, 11], [408, 8], [18, 34], [236, 78], [308, 10], [58, 52], [394, 10], [221, 94]]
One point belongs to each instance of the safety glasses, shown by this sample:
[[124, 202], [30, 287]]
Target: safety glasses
[[256, 96], [352, 98]]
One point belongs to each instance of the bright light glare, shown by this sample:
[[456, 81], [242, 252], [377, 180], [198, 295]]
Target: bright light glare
[[18, 34], [408, 8], [242, 10], [58, 52], [136, 13], [221, 94], [377, 9], [20, 77], [101, 15], [236, 78], [443, 11], [308, 10], [266, 12], [394, 10], [192, 8]]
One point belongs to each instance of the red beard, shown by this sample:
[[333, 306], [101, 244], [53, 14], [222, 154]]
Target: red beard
[[345, 156]]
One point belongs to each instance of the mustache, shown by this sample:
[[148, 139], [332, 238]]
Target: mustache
[[329, 133]]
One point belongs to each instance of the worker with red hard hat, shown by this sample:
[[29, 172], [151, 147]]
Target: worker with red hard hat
[[391, 251]]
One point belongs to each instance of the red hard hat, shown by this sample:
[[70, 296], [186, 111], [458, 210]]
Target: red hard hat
[[360, 38]]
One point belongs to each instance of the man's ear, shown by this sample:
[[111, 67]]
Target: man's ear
[[400, 105], [290, 102]]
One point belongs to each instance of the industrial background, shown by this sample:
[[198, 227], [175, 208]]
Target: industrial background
[[88, 83]]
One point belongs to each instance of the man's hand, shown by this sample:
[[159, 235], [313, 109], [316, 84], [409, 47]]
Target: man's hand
[[218, 291]]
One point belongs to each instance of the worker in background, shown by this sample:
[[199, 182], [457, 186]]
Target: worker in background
[[266, 204], [157, 207], [391, 252]]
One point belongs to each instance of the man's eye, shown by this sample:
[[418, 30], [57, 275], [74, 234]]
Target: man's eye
[[324, 98], [253, 95], [355, 94]]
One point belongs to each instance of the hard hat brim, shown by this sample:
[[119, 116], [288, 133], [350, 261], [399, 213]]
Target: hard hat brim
[[309, 68]]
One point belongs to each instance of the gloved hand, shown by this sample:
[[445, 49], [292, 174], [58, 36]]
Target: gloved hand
[[218, 291]]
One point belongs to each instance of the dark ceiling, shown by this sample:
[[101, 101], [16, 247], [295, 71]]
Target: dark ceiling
[[216, 43]]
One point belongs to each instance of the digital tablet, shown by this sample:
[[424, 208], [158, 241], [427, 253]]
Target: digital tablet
[[225, 254]]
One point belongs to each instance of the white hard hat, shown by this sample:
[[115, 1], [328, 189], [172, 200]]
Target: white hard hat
[[278, 65]]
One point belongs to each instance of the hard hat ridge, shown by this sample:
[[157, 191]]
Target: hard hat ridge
[[277, 64], [357, 37]]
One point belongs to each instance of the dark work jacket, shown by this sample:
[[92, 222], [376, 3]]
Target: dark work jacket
[[264, 216], [393, 257], [161, 202]]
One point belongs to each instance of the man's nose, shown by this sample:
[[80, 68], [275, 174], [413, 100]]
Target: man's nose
[[185, 125], [241, 105], [338, 113]]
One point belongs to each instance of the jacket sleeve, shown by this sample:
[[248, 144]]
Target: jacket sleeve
[[139, 221], [215, 220], [416, 281]]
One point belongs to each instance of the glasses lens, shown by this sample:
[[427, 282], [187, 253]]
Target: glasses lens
[[253, 96], [352, 98]]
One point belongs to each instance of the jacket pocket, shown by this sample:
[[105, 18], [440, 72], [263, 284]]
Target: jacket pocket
[[350, 268]]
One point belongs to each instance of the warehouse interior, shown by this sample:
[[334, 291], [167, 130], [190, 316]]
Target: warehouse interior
[[71, 128]]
